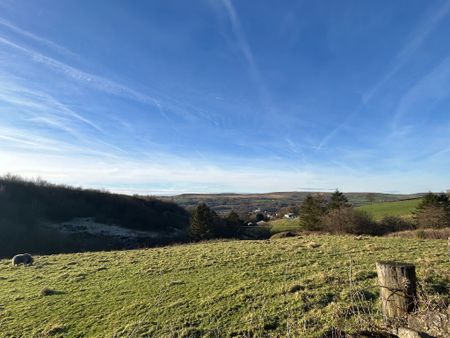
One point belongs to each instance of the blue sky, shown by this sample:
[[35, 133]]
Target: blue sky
[[164, 97]]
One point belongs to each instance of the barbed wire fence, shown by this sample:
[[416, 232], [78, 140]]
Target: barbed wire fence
[[365, 316], [256, 322]]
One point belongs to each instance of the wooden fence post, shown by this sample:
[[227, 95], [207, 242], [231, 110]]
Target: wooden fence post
[[397, 283]]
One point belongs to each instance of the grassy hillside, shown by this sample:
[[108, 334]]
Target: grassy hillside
[[402, 208], [245, 203], [398, 208], [298, 285], [26, 206], [284, 224]]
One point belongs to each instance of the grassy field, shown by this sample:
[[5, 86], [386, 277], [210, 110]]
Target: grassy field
[[398, 208], [284, 224], [297, 286], [376, 210]]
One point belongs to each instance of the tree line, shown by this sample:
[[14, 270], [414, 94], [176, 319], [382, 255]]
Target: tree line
[[332, 215], [207, 224], [337, 215]]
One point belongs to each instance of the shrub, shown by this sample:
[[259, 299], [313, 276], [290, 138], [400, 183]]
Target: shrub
[[432, 216], [311, 211], [259, 217], [433, 211], [423, 233], [202, 223], [338, 201], [232, 225], [348, 220], [393, 224], [434, 199]]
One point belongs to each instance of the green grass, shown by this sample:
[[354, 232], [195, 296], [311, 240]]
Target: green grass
[[377, 211], [284, 224], [226, 288], [398, 208]]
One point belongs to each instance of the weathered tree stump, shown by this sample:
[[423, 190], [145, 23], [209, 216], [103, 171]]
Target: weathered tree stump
[[398, 289]]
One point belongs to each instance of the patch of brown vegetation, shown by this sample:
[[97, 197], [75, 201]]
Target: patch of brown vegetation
[[423, 233]]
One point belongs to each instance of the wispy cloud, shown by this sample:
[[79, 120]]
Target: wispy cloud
[[199, 127], [42, 106], [240, 37], [172, 173], [247, 53], [416, 109], [418, 36], [15, 139], [94, 81], [34, 109], [50, 44], [430, 88], [163, 105], [25, 143]]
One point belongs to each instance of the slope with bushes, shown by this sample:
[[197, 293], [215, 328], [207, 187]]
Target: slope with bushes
[[26, 207]]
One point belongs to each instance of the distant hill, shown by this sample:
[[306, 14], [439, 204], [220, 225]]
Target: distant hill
[[245, 203], [40, 217]]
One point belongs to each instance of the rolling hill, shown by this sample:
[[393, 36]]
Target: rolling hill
[[246, 203], [378, 211], [39, 217], [295, 286]]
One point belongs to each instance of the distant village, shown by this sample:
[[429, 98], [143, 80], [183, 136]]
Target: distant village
[[261, 217]]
